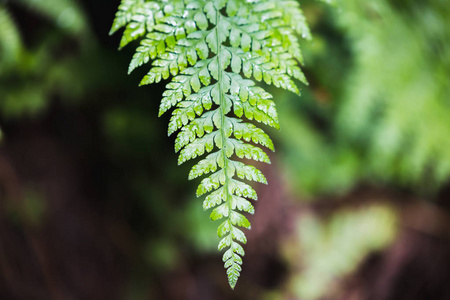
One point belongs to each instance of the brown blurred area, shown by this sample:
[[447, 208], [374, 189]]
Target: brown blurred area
[[54, 237]]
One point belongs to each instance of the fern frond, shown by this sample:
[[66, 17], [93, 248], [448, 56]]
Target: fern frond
[[213, 52]]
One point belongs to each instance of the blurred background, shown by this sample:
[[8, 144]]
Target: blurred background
[[94, 206]]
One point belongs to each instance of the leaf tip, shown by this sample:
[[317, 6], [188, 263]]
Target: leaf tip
[[232, 282], [112, 30]]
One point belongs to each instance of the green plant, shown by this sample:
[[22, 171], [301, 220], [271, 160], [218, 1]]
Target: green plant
[[396, 101], [329, 248], [33, 72], [210, 50]]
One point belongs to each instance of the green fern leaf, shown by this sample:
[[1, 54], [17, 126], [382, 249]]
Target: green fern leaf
[[213, 52]]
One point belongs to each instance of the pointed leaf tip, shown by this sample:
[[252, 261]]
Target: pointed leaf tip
[[232, 282]]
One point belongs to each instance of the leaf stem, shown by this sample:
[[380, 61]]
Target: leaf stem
[[223, 134]]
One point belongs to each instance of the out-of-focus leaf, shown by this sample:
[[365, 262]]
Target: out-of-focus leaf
[[331, 249]]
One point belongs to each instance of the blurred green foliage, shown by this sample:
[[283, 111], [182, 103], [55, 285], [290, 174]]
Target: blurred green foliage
[[379, 104], [332, 248], [55, 62], [397, 100], [65, 14]]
